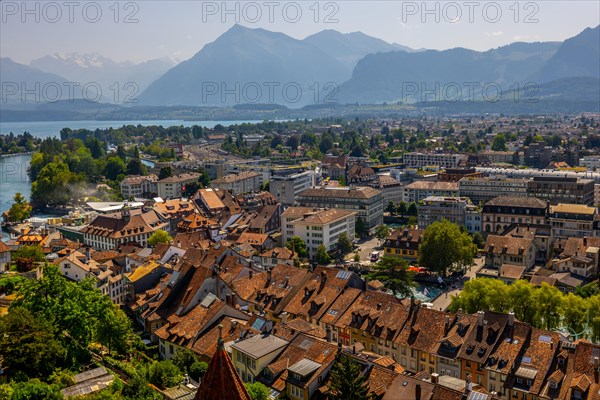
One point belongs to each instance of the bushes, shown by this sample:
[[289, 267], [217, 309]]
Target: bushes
[[165, 374]]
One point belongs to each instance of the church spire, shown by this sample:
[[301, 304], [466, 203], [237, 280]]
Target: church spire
[[221, 380]]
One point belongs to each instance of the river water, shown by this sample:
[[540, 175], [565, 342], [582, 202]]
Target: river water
[[13, 169]]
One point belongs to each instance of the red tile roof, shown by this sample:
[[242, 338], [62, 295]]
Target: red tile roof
[[221, 381]]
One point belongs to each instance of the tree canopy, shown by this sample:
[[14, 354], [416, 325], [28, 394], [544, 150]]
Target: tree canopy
[[322, 256], [296, 244], [344, 244], [445, 248], [393, 272], [20, 209], [159, 236], [347, 381]]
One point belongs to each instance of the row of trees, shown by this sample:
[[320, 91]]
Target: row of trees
[[541, 306]]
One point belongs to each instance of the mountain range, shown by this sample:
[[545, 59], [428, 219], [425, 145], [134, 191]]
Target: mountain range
[[258, 66]]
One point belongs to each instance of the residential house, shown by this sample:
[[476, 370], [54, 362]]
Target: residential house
[[572, 220], [252, 355], [4, 257], [403, 243], [499, 250]]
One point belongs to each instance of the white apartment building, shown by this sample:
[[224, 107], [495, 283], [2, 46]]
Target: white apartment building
[[420, 160], [420, 190], [317, 227], [287, 187], [138, 186], [366, 202], [173, 186], [244, 182]]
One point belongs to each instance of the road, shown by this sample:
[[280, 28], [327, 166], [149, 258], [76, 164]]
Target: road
[[365, 248], [444, 300]]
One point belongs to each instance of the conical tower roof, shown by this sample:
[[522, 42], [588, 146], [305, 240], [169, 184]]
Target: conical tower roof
[[221, 380]]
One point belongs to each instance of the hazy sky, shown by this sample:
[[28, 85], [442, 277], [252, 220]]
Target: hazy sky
[[142, 30]]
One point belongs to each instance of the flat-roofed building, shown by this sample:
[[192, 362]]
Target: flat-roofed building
[[244, 182], [420, 190], [391, 189], [562, 189], [287, 187], [420, 160], [499, 213], [572, 220], [366, 202], [317, 227], [480, 190], [436, 208]]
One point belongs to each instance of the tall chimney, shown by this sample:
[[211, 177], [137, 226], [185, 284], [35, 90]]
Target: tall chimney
[[418, 391], [435, 378], [446, 324], [328, 333], [511, 319], [87, 254]]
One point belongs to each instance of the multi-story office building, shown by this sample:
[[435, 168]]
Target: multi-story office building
[[317, 227], [391, 189], [480, 190], [420, 190], [365, 201], [420, 160], [244, 182], [562, 190], [287, 187], [572, 220], [503, 211], [436, 208]]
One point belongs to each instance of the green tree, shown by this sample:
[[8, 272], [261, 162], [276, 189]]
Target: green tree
[[28, 344], [574, 312], [394, 273], [184, 359], [361, 228], [113, 329], [257, 391], [54, 184], [138, 389], [412, 209], [390, 208], [322, 256], [33, 252], [165, 374], [499, 143], [20, 209], [548, 301], [402, 208], [165, 172], [478, 240], [159, 236], [444, 248], [521, 298], [34, 390], [347, 381], [344, 243], [382, 232], [296, 244], [197, 370], [114, 167], [136, 167]]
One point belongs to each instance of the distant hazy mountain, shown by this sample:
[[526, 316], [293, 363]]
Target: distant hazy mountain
[[577, 56], [248, 56], [253, 61], [22, 85], [130, 79], [455, 74], [348, 48]]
